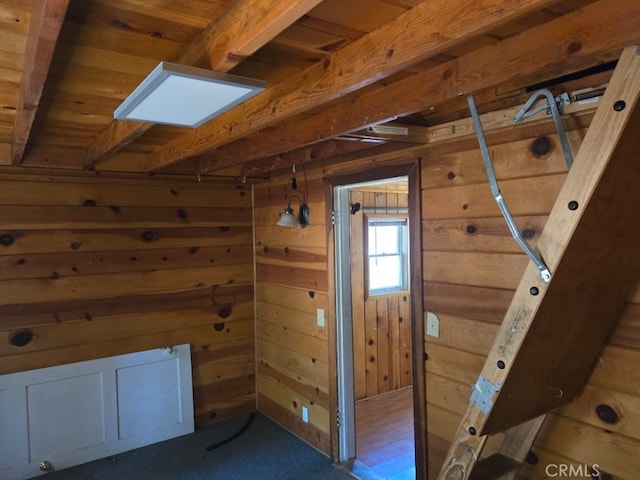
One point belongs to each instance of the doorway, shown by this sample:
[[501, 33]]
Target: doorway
[[378, 327]]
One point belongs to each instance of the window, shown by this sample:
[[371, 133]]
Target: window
[[387, 254]]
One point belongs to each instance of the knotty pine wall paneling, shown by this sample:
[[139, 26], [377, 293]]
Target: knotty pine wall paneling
[[294, 363], [381, 324], [471, 268], [94, 266], [291, 284]]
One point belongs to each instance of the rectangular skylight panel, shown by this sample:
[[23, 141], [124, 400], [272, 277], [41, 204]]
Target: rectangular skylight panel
[[185, 96]]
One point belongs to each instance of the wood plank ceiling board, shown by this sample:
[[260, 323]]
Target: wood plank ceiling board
[[107, 16], [544, 52], [363, 62], [224, 43], [319, 39], [351, 14], [349, 33], [188, 12], [46, 21]]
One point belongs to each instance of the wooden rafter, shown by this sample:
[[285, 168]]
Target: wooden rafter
[[46, 22], [404, 41], [549, 50], [315, 154], [457, 134], [303, 155], [245, 27]]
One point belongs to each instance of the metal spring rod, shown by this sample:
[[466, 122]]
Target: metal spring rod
[[495, 191], [598, 92], [555, 112]]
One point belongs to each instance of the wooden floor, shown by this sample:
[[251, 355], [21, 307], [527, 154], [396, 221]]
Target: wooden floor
[[384, 434]]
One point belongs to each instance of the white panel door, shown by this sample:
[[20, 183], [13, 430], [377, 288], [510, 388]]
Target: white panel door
[[153, 401], [68, 419], [13, 434], [62, 416]]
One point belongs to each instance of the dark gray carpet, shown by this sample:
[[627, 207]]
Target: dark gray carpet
[[264, 451]]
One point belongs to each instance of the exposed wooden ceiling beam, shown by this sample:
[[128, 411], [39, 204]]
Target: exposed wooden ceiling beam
[[245, 27], [46, 21], [444, 138], [363, 160], [424, 31], [319, 151], [544, 52]]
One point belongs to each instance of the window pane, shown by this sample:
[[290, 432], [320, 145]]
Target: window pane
[[385, 272], [387, 250], [384, 239]]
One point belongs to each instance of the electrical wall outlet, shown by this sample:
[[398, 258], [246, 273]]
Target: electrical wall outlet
[[320, 316], [433, 324], [305, 414]]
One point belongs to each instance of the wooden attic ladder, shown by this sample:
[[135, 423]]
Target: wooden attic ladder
[[553, 331]]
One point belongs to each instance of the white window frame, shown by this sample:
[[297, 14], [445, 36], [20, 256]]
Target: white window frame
[[403, 252]]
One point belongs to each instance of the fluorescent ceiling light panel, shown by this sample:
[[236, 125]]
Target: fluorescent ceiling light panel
[[175, 94]]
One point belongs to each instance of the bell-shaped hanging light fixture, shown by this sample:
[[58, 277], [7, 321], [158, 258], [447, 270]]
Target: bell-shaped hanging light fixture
[[288, 217]]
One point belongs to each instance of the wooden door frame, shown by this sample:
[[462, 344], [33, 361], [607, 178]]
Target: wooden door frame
[[412, 172]]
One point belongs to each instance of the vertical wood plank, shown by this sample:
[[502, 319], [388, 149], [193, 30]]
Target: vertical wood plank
[[406, 367], [357, 300], [395, 350], [382, 319], [371, 347]]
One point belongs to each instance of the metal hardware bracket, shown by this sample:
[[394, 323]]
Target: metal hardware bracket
[[551, 105], [483, 392], [495, 190]]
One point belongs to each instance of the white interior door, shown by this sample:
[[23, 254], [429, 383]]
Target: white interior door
[[57, 417]]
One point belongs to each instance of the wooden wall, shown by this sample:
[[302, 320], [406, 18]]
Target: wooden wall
[[92, 267], [381, 324], [471, 269], [291, 284]]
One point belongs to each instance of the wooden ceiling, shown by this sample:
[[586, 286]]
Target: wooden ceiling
[[333, 69]]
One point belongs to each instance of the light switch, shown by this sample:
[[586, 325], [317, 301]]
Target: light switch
[[320, 317], [433, 324]]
